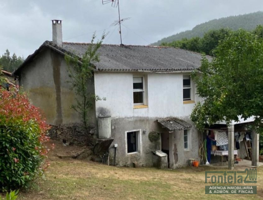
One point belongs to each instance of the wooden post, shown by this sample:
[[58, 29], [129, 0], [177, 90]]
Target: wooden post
[[231, 131], [255, 148]]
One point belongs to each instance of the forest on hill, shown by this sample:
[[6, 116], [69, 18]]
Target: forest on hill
[[247, 22], [209, 41]]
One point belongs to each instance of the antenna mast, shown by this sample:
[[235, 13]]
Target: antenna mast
[[116, 3]]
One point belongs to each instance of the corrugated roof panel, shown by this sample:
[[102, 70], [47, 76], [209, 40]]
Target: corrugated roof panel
[[135, 58], [174, 124]]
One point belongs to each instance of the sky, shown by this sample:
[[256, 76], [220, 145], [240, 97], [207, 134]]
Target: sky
[[26, 24]]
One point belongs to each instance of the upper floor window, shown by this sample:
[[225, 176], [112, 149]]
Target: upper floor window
[[187, 88], [138, 90]]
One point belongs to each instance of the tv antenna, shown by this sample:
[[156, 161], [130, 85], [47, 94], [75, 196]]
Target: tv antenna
[[116, 3]]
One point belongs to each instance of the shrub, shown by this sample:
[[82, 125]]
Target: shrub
[[154, 136], [22, 137], [10, 196]]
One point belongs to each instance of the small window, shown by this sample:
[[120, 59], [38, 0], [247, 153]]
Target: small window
[[187, 88], [138, 91], [132, 141], [186, 139]]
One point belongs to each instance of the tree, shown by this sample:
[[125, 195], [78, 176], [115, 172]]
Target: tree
[[5, 60], [205, 45], [193, 44], [211, 40], [258, 31], [10, 63], [231, 85], [80, 71]]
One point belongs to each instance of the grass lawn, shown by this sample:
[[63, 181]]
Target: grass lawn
[[75, 179]]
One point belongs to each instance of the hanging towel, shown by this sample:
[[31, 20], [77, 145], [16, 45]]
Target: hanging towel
[[237, 145], [242, 135], [221, 138]]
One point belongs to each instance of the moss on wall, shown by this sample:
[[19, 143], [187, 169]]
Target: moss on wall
[[68, 99], [44, 98]]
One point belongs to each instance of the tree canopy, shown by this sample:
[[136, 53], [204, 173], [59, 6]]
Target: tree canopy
[[10, 63], [231, 85], [209, 42], [202, 45]]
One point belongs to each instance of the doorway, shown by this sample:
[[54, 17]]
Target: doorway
[[165, 145]]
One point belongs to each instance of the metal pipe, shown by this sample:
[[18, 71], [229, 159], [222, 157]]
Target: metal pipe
[[115, 150]]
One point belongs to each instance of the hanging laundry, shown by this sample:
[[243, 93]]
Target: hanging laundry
[[241, 137], [221, 138], [237, 135], [248, 137], [237, 145]]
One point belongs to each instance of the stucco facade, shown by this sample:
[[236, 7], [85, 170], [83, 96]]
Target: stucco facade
[[164, 98], [138, 85], [47, 83]]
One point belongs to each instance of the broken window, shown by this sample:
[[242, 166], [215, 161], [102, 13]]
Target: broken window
[[187, 93], [138, 90], [132, 141]]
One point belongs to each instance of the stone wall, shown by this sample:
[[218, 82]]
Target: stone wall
[[72, 134]]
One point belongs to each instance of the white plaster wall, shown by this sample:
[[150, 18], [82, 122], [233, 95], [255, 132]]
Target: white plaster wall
[[118, 91], [164, 95]]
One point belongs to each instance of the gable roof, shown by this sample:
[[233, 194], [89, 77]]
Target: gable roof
[[129, 58]]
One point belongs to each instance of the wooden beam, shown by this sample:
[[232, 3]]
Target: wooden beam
[[255, 149]]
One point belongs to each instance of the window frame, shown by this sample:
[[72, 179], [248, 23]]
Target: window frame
[[186, 77], [187, 132], [138, 141], [143, 90]]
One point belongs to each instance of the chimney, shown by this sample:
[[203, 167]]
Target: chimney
[[57, 32]]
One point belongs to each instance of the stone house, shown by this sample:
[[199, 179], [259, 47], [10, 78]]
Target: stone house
[[145, 89]]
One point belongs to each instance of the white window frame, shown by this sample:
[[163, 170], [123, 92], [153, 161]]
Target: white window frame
[[139, 141], [143, 90], [188, 140], [188, 87]]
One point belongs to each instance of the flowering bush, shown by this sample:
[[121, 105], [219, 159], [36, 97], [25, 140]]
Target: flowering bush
[[22, 137]]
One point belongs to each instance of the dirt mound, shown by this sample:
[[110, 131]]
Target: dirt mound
[[68, 151]]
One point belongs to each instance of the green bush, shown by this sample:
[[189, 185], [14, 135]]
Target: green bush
[[154, 136], [22, 137], [10, 196]]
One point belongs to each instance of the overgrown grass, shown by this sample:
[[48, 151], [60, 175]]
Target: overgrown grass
[[74, 179]]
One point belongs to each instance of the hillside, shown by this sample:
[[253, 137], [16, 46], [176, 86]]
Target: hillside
[[247, 22]]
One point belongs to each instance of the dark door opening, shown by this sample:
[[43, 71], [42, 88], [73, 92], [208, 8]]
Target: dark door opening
[[165, 145]]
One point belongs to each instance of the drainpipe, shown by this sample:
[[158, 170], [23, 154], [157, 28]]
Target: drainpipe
[[115, 151]]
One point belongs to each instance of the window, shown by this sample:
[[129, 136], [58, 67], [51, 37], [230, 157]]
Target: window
[[186, 139], [132, 141], [138, 91], [187, 93]]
